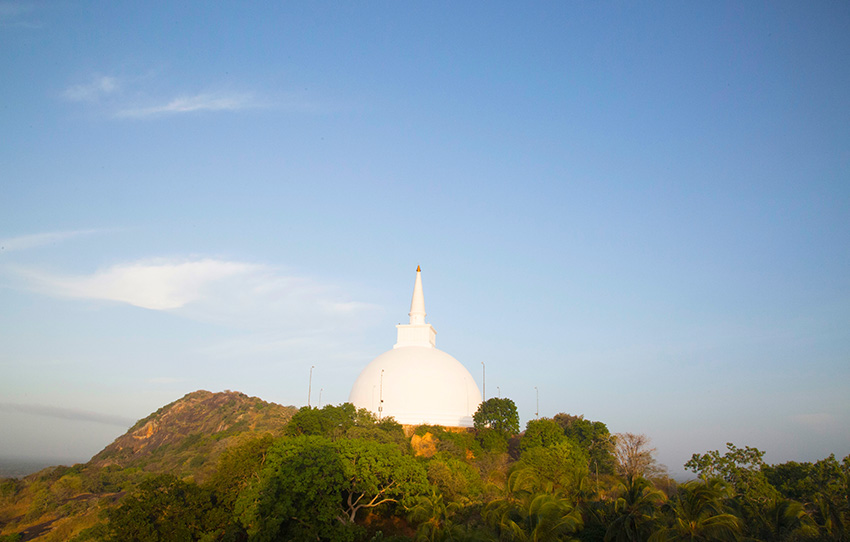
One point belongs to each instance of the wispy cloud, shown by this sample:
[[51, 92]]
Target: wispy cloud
[[189, 104], [23, 242], [98, 87], [141, 97], [240, 294], [156, 284], [67, 414]]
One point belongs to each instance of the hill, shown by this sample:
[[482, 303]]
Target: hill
[[184, 437]]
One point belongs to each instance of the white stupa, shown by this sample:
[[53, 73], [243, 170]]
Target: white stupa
[[414, 382]]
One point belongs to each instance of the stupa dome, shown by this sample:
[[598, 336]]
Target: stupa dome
[[415, 382]]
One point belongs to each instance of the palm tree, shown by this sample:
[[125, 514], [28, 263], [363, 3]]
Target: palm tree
[[699, 514], [434, 517], [525, 515], [635, 509], [541, 517], [785, 519], [833, 517]]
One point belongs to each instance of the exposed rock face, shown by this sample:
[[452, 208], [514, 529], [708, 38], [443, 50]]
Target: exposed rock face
[[194, 428], [424, 446]]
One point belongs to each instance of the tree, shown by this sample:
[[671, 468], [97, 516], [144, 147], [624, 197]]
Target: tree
[[542, 432], [785, 519], [165, 508], [756, 500], [456, 479], [742, 469], [834, 517], [635, 510], [699, 514], [499, 414], [558, 469], [492, 440], [377, 474], [298, 495], [237, 466], [822, 488], [312, 488], [634, 457], [525, 514], [731, 466], [388, 431], [434, 517], [331, 421], [593, 437]]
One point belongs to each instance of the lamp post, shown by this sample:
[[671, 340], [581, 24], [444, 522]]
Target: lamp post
[[320, 396], [310, 386], [499, 390], [537, 394], [381, 403], [484, 380]]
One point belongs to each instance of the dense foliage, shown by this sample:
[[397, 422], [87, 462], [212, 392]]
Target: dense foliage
[[499, 414], [339, 474]]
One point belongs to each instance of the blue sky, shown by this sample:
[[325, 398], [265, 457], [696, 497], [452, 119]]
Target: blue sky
[[641, 209]]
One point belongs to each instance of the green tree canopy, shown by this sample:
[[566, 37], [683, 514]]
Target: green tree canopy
[[741, 468], [559, 468], [237, 466], [332, 421], [377, 474], [699, 513], [454, 478], [499, 414], [593, 437], [526, 514], [823, 489], [312, 488], [728, 466], [542, 432], [635, 511], [165, 508], [803, 482], [298, 494]]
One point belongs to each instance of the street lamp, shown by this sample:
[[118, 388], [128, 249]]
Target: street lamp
[[320, 396], [537, 393], [484, 380], [310, 386], [381, 403]]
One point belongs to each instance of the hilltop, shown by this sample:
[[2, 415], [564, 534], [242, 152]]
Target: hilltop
[[189, 434]]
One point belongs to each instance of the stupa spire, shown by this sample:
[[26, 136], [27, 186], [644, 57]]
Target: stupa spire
[[417, 332], [417, 304]]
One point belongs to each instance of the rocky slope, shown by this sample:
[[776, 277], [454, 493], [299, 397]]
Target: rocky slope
[[184, 436]]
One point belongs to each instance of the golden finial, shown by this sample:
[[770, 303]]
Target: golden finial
[[417, 269]]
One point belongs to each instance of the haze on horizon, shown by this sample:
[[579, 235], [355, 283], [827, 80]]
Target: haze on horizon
[[641, 210]]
